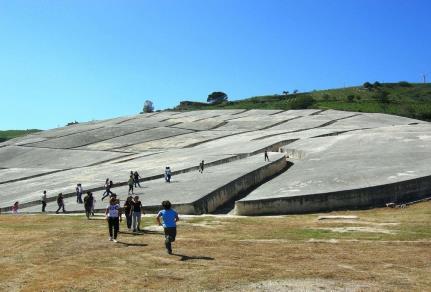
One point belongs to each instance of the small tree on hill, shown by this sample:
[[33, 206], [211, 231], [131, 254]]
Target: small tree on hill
[[148, 107], [367, 85], [217, 97]]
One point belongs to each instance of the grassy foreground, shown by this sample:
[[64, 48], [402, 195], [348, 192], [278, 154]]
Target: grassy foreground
[[384, 249]]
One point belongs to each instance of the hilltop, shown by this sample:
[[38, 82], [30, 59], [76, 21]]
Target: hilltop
[[406, 99], [10, 134]]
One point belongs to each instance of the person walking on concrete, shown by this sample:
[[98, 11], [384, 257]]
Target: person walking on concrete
[[136, 178], [131, 182], [108, 186], [136, 214], [60, 203], [168, 174], [266, 155], [44, 200], [201, 166], [79, 192], [88, 204], [128, 211], [15, 208], [113, 216], [170, 219]]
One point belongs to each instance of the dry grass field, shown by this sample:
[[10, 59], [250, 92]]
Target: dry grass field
[[382, 250]]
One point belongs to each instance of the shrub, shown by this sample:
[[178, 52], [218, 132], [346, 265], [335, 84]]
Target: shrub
[[404, 84], [302, 102], [350, 98]]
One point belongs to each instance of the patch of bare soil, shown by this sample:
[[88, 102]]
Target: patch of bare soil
[[309, 285]]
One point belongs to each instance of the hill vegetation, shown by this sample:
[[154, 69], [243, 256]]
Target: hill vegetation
[[10, 134], [403, 98]]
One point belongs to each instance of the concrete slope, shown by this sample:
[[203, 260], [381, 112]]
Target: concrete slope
[[194, 192], [369, 168]]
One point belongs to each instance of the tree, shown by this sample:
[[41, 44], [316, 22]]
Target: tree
[[295, 91], [217, 97], [285, 92], [367, 85], [148, 106]]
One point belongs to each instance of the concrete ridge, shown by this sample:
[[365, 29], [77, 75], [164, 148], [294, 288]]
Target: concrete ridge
[[360, 198]]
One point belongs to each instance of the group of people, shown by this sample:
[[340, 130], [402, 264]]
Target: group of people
[[133, 181], [167, 217]]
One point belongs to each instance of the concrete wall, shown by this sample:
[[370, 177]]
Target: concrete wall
[[376, 196], [232, 189]]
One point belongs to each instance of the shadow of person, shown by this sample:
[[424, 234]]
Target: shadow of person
[[187, 258], [131, 244]]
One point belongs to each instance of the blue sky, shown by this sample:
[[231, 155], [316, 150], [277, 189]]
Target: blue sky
[[62, 61]]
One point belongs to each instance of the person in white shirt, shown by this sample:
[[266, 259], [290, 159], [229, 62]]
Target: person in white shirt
[[113, 216]]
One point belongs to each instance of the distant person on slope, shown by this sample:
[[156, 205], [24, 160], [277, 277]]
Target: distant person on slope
[[108, 186], [201, 166], [170, 219], [136, 178], [266, 155], [15, 208], [79, 192], [131, 182], [168, 174], [44, 200], [60, 203]]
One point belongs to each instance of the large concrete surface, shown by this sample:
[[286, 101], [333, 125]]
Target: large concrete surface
[[193, 192], [340, 159]]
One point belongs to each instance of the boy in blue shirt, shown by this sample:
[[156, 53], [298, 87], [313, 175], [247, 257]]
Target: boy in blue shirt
[[170, 218]]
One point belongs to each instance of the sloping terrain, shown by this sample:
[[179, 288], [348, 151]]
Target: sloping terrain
[[335, 160]]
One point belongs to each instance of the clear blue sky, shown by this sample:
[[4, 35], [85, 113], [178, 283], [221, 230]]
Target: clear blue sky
[[62, 61]]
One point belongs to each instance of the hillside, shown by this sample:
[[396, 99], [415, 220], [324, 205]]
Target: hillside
[[10, 134], [411, 100]]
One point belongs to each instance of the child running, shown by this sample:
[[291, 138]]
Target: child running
[[113, 216], [170, 219]]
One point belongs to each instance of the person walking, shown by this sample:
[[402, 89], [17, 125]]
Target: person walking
[[113, 216], [128, 211], [170, 219], [88, 204], [131, 181], [136, 214], [60, 203], [108, 186], [15, 208], [79, 192], [266, 155], [201, 166], [136, 178], [168, 174], [44, 199]]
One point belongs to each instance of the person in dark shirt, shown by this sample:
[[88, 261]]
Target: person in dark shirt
[[136, 178], [136, 214], [88, 204], [128, 211], [60, 203]]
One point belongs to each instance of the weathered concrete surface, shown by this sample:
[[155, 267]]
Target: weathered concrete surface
[[341, 159], [33, 157], [194, 192], [369, 168]]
